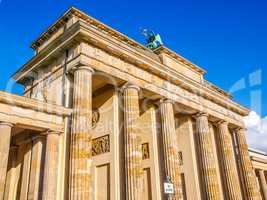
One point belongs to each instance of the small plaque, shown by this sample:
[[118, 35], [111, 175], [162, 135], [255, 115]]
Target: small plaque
[[168, 188]]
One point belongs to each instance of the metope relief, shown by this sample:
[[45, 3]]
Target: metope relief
[[100, 145]]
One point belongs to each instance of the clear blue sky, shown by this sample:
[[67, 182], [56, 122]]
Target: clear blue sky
[[227, 38]]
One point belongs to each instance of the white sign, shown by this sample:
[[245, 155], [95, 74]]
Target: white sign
[[168, 188]]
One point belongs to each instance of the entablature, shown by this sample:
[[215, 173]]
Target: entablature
[[258, 159], [32, 114], [117, 49]]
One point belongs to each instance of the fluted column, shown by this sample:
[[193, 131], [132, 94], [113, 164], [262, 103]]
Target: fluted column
[[228, 163], [26, 148], [263, 183], [36, 168], [50, 183], [5, 136], [133, 146], [170, 147], [249, 177], [80, 183], [207, 158], [10, 185]]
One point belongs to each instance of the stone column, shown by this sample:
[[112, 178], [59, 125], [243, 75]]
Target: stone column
[[80, 183], [36, 169], [10, 186], [170, 148], [249, 176], [263, 183], [133, 146], [26, 148], [207, 158], [229, 168], [51, 167], [5, 135]]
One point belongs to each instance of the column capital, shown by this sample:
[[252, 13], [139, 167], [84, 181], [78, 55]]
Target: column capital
[[84, 67], [130, 86], [240, 129], [36, 137], [79, 67], [14, 147], [51, 132], [166, 100], [202, 114], [6, 124], [220, 122]]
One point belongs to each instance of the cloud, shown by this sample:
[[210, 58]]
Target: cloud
[[257, 131]]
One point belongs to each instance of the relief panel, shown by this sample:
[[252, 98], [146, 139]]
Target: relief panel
[[100, 145]]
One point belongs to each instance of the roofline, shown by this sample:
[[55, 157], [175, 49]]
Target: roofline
[[80, 14], [50, 30], [257, 151], [180, 58], [74, 11]]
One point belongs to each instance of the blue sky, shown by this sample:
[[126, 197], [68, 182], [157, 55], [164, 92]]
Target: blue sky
[[227, 38]]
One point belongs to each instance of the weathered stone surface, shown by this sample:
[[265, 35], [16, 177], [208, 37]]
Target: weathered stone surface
[[93, 158], [80, 180], [170, 146], [249, 177], [263, 183], [133, 145], [50, 184], [36, 172], [229, 168], [207, 159], [5, 131], [26, 167], [10, 185]]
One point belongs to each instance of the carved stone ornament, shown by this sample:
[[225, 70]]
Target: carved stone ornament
[[180, 158], [100, 145], [145, 151], [95, 117]]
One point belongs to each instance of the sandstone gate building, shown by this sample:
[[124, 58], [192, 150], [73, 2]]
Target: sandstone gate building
[[103, 117]]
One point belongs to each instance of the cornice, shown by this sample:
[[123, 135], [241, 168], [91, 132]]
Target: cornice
[[41, 57], [257, 159], [88, 19], [53, 29], [216, 88], [110, 31], [163, 49]]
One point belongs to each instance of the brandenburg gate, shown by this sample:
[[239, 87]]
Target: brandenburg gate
[[103, 117]]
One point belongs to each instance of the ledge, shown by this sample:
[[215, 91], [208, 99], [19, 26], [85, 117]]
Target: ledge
[[32, 104]]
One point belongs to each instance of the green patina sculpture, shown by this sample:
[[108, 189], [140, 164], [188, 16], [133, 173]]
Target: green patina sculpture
[[153, 40]]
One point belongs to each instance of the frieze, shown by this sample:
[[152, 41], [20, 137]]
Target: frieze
[[100, 145]]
